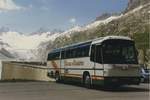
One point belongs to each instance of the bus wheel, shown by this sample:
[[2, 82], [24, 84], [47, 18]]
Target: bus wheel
[[57, 77], [87, 81]]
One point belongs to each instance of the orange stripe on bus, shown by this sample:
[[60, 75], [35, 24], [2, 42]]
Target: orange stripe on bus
[[97, 77], [80, 76], [74, 74], [69, 75]]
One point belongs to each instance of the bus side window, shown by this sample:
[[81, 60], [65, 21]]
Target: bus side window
[[92, 58], [98, 54], [54, 56], [63, 55]]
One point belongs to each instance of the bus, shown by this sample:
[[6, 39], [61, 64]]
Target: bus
[[110, 60]]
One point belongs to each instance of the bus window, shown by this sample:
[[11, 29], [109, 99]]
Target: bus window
[[92, 58], [96, 54], [54, 56], [63, 55]]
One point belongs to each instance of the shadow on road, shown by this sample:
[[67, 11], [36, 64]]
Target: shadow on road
[[128, 88], [122, 89]]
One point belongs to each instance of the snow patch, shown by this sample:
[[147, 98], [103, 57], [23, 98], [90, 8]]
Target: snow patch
[[97, 23], [70, 31], [21, 41]]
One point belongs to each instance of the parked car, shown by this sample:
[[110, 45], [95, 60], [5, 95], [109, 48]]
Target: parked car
[[145, 75]]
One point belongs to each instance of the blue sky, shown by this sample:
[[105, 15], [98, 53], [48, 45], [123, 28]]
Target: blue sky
[[27, 16]]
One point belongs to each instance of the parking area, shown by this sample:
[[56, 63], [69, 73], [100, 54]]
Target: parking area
[[55, 91]]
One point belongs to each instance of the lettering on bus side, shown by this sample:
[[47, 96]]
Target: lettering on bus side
[[73, 63]]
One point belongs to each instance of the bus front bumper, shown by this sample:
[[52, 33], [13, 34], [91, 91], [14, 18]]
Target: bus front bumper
[[122, 80], [108, 81]]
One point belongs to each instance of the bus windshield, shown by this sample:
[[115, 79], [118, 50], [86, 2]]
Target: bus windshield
[[119, 52]]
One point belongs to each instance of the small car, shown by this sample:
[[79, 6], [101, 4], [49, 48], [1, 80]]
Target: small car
[[145, 75]]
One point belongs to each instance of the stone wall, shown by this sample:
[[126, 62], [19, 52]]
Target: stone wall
[[15, 71]]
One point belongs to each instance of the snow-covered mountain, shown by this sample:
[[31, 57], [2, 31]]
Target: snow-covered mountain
[[21, 41], [24, 46]]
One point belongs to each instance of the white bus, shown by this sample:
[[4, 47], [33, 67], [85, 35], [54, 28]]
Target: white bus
[[103, 61]]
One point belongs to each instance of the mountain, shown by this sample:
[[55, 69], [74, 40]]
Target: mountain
[[135, 3], [40, 31], [43, 30], [106, 15], [2, 44], [103, 16], [4, 58], [132, 22], [25, 47], [5, 55]]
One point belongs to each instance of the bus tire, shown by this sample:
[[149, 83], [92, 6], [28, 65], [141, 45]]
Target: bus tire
[[57, 77], [87, 81]]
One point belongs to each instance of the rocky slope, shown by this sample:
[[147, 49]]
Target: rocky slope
[[135, 3]]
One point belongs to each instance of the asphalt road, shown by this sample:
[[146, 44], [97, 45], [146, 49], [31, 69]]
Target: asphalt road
[[55, 91]]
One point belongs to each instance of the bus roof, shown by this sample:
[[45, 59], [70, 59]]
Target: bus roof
[[100, 40], [78, 44]]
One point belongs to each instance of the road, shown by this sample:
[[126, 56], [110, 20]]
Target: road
[[55, 91]]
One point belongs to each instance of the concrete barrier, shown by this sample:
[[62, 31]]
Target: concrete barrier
[[16, 71]]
